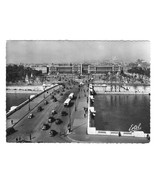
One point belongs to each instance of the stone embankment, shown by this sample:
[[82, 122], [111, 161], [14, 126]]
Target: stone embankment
[[24, 89]]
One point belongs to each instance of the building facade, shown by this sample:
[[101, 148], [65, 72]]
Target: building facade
[[83, 69], [44, 69]]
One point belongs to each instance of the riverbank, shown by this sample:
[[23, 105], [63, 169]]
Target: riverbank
[[12, 91], [107, 89], [24, 89], [125, 92]]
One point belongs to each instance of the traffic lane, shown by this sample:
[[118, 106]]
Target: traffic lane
[[37, 102], [66, 119], [28, 126], [60, 129], [24, 110]]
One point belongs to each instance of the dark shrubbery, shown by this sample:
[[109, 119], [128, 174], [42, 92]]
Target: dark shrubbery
[[16, 73]]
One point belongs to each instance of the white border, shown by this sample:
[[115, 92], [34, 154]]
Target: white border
[[76, 163]]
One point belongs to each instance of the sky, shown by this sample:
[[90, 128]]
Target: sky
[[76, 51]]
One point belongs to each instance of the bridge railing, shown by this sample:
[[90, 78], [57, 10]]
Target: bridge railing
[[28, 100]]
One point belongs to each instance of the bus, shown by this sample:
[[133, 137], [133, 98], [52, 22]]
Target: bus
[[67, 102], [71, 96]]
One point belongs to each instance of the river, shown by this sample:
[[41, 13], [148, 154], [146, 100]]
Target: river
[[14, 99], [122, 112]]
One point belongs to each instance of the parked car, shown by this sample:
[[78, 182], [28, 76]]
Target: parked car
[[64, 113], [45, 126], [30, 116]]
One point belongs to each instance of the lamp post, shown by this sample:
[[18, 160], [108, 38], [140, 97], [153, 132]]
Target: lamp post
[[70, 124], [29, 104], [44, 92], [75, 105]]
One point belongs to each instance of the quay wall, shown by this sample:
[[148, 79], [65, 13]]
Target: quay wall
[[24, 89], [107, 90]]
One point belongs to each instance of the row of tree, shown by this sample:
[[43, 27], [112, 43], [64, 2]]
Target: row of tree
[[139, 70], [15, 73]]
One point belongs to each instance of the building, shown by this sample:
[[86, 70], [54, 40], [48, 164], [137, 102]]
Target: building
[[44, 69], [65, 68], [83, 69]]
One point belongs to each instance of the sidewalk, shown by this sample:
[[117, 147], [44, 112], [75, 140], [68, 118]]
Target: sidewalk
[[79, 128]]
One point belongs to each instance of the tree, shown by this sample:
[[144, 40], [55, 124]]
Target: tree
[[16, 73]]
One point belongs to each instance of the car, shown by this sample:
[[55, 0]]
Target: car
[[50, 119], [30, 116], [58, 121], [46, 102], [39, 109], [52, 133], [55, 100], [64, 113], [45, 126], [53, 112], [52, 97], [10, 131]]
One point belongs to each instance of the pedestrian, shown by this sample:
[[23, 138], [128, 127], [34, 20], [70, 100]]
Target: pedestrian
[[16, 139], [19, 138], [148, 137], [12, 122]]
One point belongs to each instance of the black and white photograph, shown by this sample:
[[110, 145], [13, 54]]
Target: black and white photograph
[[78, 91]]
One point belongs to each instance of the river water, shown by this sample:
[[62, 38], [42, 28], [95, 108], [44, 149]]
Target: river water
[[14, 99], [122, 112]]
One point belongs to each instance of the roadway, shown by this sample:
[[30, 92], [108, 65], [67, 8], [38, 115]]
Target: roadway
[[30, 130]]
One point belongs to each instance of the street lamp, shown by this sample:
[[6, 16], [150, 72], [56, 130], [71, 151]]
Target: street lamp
[[70, 124], [44, 91], [29, 104], [75, 105]]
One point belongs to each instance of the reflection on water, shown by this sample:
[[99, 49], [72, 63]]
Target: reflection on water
[[119, 112], [14, 99]]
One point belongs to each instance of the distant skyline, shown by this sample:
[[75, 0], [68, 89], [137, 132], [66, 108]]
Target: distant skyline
[[76, 51]]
